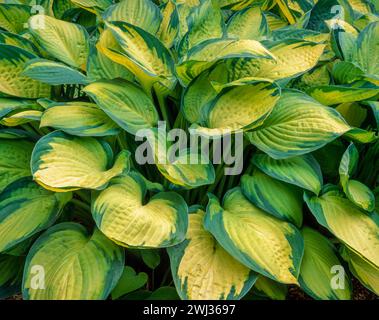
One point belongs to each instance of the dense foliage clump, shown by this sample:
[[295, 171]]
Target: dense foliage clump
[[100, 196]]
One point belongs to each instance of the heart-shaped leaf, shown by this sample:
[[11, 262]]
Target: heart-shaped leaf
[[61, 162], [66, 263], [129, 282], [121, 213]]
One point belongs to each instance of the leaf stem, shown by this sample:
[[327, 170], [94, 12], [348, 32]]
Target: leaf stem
[[81, 204], [82, 194]]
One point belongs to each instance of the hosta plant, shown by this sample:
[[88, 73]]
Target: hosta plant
[[89, 88]]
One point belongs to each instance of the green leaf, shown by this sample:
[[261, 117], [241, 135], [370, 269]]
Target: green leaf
[[13, 17], [100, 67], [125, 103], [65, 41], [364, 271], [61, 162], [10, 275], [183, 173], [75, 265], [348, 164], [254, 101], [235, 4], [164, 293], [8, 106], [318, 76], [356, 191], [361, 136], [346, 72], [53, 73], [151, 258], [203, 270], [19, 203], [93, 6], [360, 194], [205, 22], [316, 272], [330, 95], [185, 168], [301, 171], [21, 249], [292, 32], [365, 53], [79, 119], [14, 160], [140, 13], [208, 53], [323, 10], [129, 282], [297, 125], [17, 41], [12, 81], [353, 113], [21, 117], [16, 134], [344, 37], [270, 288], [169, 28], [144, 55], [354, 227], [329, 158], [184, 10], [282, 200], [260, 241], [249, 23], [274, 22], [199, 92], [292, 58], [123, 215]]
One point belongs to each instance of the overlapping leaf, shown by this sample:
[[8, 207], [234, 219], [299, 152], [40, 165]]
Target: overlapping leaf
[[267, 245], [203, 270], [63, 162]]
